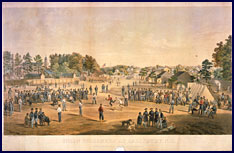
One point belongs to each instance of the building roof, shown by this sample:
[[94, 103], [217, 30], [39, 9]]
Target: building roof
[[160, 74], [67, 75], [179, 73], [32, 75], [48, 72]]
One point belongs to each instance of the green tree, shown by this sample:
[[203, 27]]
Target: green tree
[[27, 64], [75, 62], [7, 63], [205, 71], [218, 74], [90, 64], [222, 57], [18, 64], [39, 63]]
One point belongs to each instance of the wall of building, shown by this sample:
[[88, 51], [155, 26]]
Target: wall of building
[[52, 81]]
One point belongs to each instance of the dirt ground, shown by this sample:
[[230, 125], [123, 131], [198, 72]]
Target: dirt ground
[[89, 124]]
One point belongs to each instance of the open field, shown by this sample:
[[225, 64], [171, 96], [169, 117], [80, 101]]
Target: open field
[[89, 124]]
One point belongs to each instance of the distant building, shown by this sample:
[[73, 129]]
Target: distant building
[[34, 76], [163, 77], [180, 77]]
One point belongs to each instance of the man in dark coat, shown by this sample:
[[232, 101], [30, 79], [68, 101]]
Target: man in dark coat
[[139, 119], [145, 117], [151, 116]]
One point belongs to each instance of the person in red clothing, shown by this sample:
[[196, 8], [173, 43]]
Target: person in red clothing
[[200, 111], [110, 100], [101, 115]]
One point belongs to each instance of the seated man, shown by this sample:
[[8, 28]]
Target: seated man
[[45, 119]]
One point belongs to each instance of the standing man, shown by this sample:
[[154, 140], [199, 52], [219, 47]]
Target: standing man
[[123, 91], [156, 116], [20, 104], [59, 113], [31, 115], [90, 90], [5, 107], [139, 119], [36, 117], [151, 114], [40, 116], [161, 116], [11, 107], [145, 116], [200, 111], [80, 108], [106, 88], [64, 104], [126, 99], [172, 106], [96, 89], [9, 93], [94, 101], [103, 88], [101, 115]]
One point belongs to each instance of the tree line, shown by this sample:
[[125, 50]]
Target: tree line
[[18, 65]]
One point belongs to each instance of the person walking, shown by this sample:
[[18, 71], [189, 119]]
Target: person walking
[[110, 100], [59, 113], [101, 115]]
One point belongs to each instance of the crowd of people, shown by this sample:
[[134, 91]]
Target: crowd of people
[[181, 97], [152, 118], [132, 93], [32, 118]]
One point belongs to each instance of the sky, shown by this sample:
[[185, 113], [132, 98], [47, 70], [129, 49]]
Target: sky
[[139, 36]]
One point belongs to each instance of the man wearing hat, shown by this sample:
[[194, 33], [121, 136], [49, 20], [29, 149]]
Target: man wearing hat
[[145, 116], [156, 115], [31, 115], [139, 119], [36, 116], [151, 118]]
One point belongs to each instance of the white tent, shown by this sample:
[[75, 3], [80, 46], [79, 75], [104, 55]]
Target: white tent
[[201, 90]]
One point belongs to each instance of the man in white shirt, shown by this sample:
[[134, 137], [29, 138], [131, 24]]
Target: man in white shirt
[[64, 104], [20, 104], [80, 108], [59, 113]]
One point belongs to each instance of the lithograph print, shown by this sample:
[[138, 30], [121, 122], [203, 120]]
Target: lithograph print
[[122, 76]]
